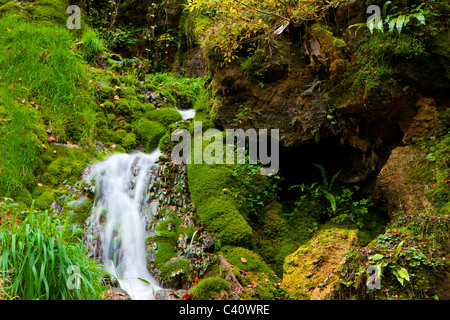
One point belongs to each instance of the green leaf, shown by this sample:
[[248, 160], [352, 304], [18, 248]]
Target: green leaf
[[401, 275], [399, 248], [404, 273], [420, 17], [385, 7], [392, 23], [380, 26], [399, 24], [376, 257]]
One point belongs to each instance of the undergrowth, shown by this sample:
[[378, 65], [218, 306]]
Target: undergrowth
[[42, 259]]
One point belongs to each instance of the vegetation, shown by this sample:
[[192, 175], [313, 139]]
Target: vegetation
[[37, 257], [347, 95]]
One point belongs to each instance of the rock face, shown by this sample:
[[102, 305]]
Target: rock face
[[275, 102], [425, 123], [394, 190], [311, 272]]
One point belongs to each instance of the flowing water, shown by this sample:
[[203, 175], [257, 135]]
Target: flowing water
[[187, 113], [121, 183]]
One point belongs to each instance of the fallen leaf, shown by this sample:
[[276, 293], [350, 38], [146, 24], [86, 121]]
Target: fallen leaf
[[187, 296]]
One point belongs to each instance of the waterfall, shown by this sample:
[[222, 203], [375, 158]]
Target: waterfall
[[121, 182], [187, 113]]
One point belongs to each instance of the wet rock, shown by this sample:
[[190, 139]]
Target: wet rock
[[116, 294], [55, 206], [169, 294]]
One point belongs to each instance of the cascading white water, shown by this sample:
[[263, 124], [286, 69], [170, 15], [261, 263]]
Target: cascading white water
[[187, 113], [121, 183]]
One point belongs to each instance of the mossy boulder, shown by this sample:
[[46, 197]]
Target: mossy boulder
[[122, 108], [128, 141], [106, 92], [207, 289], [79, 210], [215, 208], [164, 116], [68, 165], [312, 271], [245, 259], [149, 133], [23, 196], [45, 200]]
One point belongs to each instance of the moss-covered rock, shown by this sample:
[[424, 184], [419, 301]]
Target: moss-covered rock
[[245, 259], [216, 209], [312, 271], [23, 196], [167, 265], [68, 165], [206, 289], [128, 141], [45, 200], [164, 116], [149, 133]]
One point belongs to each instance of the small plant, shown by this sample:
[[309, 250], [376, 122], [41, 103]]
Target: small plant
[[395, 19], [40, 254], [92, 46], [342, 207]]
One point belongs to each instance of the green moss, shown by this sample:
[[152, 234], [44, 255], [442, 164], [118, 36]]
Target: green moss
[[127, 93], [106, 92], [23, 196], [68, 165], [254, 262], [12, 7], [149, 133], [206, 181], [106, 135], [81, 209], [216, 208], [164, 116], [175, 270], [194, 25], [164, 252], [312, 262], [166, 236], [232, 229], [128, 141], [45, 200], [206, 289], [122, 108], [108, 106], [331, 45], [165, 143]]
